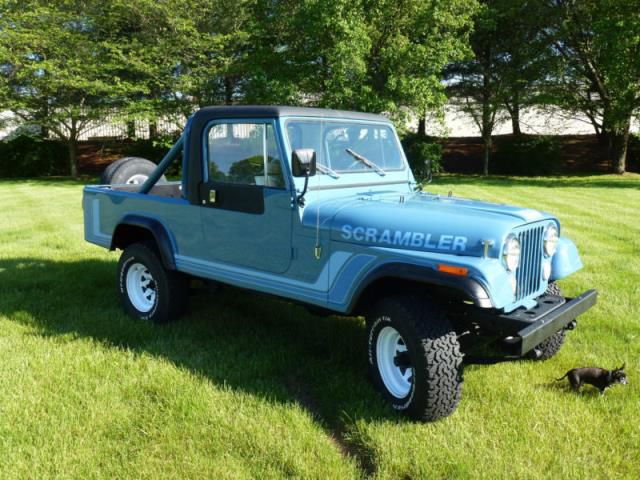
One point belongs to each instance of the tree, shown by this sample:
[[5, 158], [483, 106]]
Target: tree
[[511, 62], [379, 56], [598, 45], [212, 66], [63, 67], [67, 64], [526, 59], [411, 43], [478, 82]]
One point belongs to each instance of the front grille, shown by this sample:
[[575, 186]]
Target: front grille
[[529, 273]]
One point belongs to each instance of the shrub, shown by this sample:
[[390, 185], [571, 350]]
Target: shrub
[[526, 155], [29, 156], [420, 150]]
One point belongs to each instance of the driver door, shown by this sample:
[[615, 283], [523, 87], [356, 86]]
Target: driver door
[[247, 213]]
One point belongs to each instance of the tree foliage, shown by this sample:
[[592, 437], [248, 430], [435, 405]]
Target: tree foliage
[[64, 66], [597, 43], [478, 82], [510, 64], [67, 63], [379, 56]]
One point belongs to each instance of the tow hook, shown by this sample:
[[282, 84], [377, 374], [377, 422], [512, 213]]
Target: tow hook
[[571, 325]]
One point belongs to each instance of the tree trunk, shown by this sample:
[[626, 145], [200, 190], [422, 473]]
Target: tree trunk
[[619, 145], [153, 129], [131, 129], [487, 127], [228, 91], [422, 126], [44, 130], [515, 115], [487, 150], [72, 145]]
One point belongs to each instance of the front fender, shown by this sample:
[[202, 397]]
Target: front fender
[[566, 260], [469, 287]]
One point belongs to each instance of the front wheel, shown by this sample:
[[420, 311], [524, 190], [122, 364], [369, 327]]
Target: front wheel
[[414, 357], [147, 289]]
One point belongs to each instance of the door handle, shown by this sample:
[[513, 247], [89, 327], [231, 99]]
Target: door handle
[[212, 196]]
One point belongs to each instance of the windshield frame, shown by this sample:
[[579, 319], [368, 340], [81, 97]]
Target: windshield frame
[[366, 123]]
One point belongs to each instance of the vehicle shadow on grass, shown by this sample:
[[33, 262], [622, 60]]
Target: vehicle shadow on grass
[[257, 344]]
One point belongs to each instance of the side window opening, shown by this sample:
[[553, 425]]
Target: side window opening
[[244, 153]]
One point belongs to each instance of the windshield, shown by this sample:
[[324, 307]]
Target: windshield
[[332, 139]]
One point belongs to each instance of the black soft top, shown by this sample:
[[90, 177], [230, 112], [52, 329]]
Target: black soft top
[[202, 117], [271, 111]]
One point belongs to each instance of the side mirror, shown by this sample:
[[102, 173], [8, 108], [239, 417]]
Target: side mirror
[[303, 162]]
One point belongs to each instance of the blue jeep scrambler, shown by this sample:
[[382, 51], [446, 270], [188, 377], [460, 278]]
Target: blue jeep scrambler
[[320, 207]]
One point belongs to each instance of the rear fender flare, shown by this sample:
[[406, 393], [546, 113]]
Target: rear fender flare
[[161, 235]]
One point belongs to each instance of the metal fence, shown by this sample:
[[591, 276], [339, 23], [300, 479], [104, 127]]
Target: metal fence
[[113, 127]]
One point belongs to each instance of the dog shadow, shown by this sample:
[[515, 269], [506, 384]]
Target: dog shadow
[[586, 391]]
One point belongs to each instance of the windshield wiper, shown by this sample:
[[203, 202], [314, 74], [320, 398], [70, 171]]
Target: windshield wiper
[[324, 169], [366, 161]]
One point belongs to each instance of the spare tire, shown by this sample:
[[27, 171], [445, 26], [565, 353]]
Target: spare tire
[[129, 170]]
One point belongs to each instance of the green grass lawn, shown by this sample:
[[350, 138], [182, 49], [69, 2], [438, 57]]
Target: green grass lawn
[[249, 387]]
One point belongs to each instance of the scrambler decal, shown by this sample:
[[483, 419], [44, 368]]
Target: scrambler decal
[[453, 243]]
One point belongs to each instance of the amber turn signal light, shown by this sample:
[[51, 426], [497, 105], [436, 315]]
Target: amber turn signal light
[[460, 271]]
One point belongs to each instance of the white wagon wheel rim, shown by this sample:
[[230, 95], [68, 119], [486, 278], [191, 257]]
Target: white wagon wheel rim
[[393, 362], [141, 287]]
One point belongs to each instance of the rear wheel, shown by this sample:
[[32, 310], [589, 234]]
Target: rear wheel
[[147, 289], [552, 345], [414, 357]]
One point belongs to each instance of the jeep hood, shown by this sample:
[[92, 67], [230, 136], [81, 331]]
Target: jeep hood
[[419, 221]]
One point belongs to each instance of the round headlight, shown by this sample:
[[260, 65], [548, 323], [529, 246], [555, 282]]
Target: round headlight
[[511, 252], [550, 240]]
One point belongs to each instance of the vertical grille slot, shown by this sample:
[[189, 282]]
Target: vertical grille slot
[[529, 273]]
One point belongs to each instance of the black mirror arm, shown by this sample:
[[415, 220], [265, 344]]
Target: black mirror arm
[[429, 171], [300, 198]]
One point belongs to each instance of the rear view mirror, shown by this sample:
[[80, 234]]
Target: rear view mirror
[[303, 162]]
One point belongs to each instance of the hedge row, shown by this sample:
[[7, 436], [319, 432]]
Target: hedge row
[[29, 156]]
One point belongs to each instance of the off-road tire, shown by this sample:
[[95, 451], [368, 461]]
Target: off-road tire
[[127, 170], [107, 174], [171, 287], [433, 350], [552, 345]]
